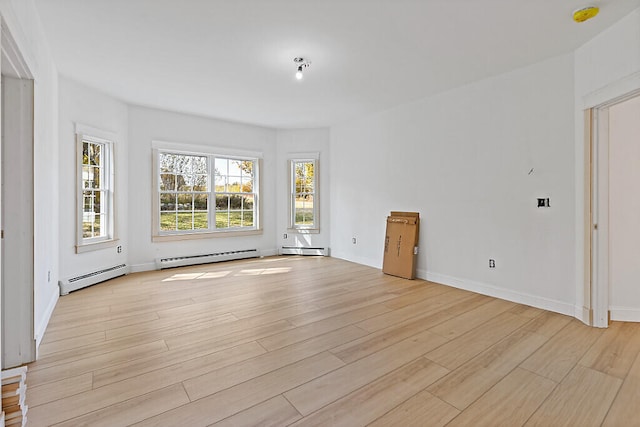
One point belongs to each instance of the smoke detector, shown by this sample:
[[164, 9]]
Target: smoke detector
[[585, 13]]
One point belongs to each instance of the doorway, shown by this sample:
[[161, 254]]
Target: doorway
[[615, 203], [16, 206]]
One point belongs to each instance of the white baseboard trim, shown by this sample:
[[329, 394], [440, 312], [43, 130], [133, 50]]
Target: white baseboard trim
[[583, 314], [625, 314], [358, 260], [502, 293], [139, 268], [44, 322]]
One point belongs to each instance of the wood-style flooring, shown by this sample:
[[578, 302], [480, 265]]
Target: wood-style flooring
[[308, 341]]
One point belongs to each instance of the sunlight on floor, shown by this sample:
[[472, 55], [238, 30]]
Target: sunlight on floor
[[263, 271], [198, 275]]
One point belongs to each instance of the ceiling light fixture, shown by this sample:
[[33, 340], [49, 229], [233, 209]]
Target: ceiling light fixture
[[302, 64]]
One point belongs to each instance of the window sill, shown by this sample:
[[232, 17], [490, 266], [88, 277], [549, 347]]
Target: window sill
[[103, 244], [207, 235], [304, 230]]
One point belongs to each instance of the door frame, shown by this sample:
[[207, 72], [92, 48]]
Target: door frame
[[17, 301], [597, 223]]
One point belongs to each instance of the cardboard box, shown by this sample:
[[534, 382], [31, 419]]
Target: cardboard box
[[401, 244]]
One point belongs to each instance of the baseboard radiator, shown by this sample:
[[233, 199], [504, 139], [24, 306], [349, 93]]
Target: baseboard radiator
[[74, 283], [182, 261], [300, 250]]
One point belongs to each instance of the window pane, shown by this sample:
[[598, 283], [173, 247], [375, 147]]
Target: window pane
[[222, 202], [308, 185], [200, 183], [199, 165], [304, 175], [222, 219], [247, 218], [222, 167], [235, 201], [92, 225], [167, 202], [183, 164], [235, 218], [235, 167], [87, 177], [220, 184], [304, 210], [247, 168], [200, 220], [97, 205], [222, 214], [247, 185], [168, 221], [185, 221], [87, 226], [184, 182], [96, 177], [234, 184], [185, 202], [94, 154], [167, 162], [88, 200], [247, 203], [201, 202], [85, 153], [167, 182], [97, 226]]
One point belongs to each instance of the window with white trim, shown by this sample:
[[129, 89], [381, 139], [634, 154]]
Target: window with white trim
[[95, 190], [205, 193], [303, 195]]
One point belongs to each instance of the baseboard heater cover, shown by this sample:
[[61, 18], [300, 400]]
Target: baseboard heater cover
[[181, 261], [299, 250], [74, 283]]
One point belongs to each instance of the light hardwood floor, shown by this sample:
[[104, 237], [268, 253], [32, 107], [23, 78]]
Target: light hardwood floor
[[319, 341]]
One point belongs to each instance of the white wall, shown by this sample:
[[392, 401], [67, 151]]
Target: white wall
[[606, 67], [24, 24], [82, 105], [624, 206], [463, 160], [612, 57], [289, 143], [147, 125]]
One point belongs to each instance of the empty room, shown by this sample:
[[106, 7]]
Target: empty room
[[331, 213]]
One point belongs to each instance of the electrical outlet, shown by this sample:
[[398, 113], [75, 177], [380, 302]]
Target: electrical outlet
[[543, 202], [353, 240], [285, 235], [119, 249], [492, 263]]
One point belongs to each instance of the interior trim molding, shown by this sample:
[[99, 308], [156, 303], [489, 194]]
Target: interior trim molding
[[502, 293]]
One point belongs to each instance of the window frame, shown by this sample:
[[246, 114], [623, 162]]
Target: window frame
[[107, 141], [304, 158], [159, 147]]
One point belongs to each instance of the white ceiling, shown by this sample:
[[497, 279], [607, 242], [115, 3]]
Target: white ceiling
[[233, 59]]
